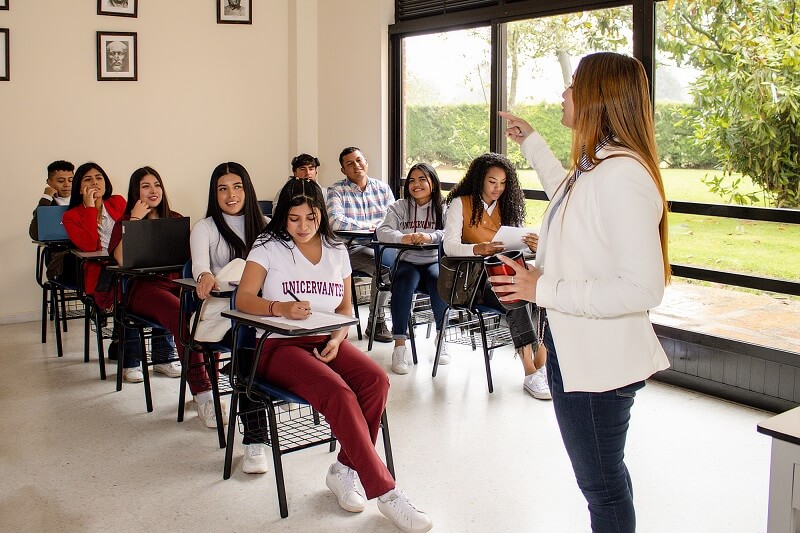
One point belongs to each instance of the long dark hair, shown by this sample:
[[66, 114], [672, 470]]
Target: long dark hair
[[253, 218], [298, 191], [511, 203], [436, 191], [134, 193], [76, 198]]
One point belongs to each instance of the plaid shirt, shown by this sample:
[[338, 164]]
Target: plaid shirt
[[351, 209]]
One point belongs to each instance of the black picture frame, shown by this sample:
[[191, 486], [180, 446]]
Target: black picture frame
[[124, 8], [5, 56], [225, 13], [4, 5], [117, 56]]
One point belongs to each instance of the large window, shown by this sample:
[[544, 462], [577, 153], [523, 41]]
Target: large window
[[541, 55], [726, 102], [446, 100]]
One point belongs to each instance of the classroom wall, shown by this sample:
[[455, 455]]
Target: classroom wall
[[207, 93]]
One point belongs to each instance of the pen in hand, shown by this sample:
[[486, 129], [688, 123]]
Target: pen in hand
[[296, 299]]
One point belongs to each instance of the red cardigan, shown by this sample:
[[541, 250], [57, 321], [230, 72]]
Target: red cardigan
[[81, 225]]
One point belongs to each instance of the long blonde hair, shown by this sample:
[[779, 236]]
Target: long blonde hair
[[611, 99]]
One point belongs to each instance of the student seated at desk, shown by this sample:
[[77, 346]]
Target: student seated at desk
[[93, 211], [416, 219], [233, 221], [300, 267], [487, 197], [156, 297], [57, 191]]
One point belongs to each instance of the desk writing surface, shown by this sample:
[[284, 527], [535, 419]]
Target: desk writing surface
[[144, 270], [100, 254], [289, 327], [225, 288], [785, 426]]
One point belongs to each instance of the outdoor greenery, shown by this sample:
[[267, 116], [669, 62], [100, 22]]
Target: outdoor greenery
[[748, 90], [453, 135]]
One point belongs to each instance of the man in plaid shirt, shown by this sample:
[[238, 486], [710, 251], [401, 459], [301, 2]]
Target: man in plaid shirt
[[360, 203]]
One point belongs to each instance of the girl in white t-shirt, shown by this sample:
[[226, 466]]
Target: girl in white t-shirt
[[298, 256]]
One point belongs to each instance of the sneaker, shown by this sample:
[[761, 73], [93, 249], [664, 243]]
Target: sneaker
[[536, 385], [399, 364], [255, 459], [399, 509], [171, 370], [133, 374], [205, 412], [444, 357], [343, 482], [382, 334]]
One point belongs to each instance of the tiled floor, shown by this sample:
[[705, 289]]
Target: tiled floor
[[77, 456]]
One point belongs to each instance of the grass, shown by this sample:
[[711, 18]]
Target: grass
[[748, 247]]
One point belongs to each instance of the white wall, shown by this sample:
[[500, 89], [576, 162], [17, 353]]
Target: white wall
[[308, 75]]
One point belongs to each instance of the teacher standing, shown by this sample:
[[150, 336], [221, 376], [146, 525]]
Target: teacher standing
[[601, 265]]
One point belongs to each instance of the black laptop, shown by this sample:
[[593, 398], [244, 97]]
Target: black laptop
[[156, 242]]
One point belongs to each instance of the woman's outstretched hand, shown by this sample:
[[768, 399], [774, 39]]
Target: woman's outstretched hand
[[520, 286], [517, 129]]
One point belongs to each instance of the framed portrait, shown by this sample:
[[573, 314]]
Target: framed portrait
[[117, 8], [116, 56], [4, 5], [4, 55], [234, 11]]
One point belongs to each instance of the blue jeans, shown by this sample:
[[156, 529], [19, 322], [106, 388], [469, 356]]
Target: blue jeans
[[407, 278], [162, 345], [593, 427]]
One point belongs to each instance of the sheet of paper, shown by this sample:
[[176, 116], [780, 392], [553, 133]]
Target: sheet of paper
[[512, 237], [317, 319]]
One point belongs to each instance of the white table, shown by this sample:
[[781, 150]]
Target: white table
[[784, 471]]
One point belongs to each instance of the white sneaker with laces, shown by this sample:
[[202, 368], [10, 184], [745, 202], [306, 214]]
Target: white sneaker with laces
[[205, 412], [171, 369], [133, 374], [404, 514], [255, 459], [444, 357], [536, 385], [399, 363], [343, 482]]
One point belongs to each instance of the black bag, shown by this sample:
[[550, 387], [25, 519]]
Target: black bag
[[459, 291]]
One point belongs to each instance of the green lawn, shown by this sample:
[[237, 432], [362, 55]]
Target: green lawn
[[748, 247]]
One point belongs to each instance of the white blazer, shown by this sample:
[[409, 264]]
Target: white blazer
[[602, 270]]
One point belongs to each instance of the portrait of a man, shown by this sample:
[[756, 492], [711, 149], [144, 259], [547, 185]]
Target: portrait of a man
[[234, 8], [117, 8], [234, 11], [117, 57]]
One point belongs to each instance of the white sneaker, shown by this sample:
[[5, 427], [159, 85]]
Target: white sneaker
[[536, 385], [255, 459], [399, 509], [205, 412], [171, 370], [444, 357], [133, 374], [343, 482], [399, 364]]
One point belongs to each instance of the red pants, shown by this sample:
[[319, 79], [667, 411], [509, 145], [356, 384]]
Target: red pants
[[350, 392], [157, 299]]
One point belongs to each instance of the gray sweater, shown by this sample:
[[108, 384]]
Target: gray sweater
[[421, 219]]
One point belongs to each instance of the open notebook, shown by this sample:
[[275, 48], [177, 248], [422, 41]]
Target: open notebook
[[318, 319]]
